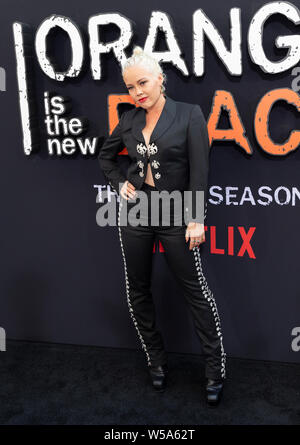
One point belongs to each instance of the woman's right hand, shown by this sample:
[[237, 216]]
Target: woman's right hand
[[128, 190]]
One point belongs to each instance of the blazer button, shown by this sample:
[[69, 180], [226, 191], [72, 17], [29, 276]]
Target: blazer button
[[141, 149], [141, 165], [155, 164], [157, 175], [152, 149]]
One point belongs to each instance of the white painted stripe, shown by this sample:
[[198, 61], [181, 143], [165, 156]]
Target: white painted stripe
[[22, 85]]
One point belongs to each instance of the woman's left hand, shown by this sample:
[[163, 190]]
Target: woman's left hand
[[196, 233]]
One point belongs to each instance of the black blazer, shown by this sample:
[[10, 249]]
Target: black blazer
[[178, 150]]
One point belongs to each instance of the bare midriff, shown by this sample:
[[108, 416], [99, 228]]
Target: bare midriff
[[147, 134]]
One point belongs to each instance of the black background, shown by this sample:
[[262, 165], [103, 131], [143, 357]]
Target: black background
[[62, 276]]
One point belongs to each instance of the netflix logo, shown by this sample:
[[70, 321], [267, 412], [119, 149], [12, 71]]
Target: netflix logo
[[232, 247]]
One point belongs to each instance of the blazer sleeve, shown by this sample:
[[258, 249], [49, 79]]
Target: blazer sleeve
[[108, 156], [198, 149]]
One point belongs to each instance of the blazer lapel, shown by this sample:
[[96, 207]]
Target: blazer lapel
[[166, 118]]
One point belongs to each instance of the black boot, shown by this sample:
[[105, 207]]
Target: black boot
[[158, 375], [214, 390]]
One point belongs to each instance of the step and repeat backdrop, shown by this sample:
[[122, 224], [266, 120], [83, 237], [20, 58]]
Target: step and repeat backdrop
[[62, 93]]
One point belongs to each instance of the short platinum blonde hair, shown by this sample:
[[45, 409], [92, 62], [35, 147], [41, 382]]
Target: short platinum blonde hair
[[147, 61]]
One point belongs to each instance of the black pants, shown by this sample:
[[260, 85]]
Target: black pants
[[137, 250]]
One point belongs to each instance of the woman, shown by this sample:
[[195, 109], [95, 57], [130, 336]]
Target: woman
[[167, 144]]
